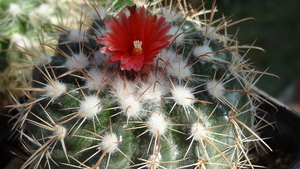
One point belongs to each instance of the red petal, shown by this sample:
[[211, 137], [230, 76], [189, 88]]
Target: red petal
[[115, 58], [137, 66], [125, 58], [127, 66], [105, 50]]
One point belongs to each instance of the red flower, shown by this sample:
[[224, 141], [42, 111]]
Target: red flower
[[134, 40]]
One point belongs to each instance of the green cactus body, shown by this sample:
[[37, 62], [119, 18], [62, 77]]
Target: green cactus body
[[192, 107]]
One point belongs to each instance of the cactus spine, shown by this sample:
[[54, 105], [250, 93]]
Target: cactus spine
[[183, 99]]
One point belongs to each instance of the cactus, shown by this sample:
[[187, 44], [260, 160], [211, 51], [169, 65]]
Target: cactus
[[21, 21], [151, 86]]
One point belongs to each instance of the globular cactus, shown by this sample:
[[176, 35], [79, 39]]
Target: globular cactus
[[152, 86]]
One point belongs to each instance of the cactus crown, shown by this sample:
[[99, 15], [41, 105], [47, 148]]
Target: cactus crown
[[158, 87]]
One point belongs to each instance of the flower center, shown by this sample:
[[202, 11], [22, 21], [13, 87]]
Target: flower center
[[137, 49]]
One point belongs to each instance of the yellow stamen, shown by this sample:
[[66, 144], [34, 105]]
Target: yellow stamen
[[137, 49], [137, 45]]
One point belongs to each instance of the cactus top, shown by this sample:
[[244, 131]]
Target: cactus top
[[135, 40]]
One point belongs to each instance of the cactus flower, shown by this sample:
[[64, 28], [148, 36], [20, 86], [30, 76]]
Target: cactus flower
[[135, 40]]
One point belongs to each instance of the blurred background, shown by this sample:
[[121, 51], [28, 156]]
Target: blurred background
[[276, 29]]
